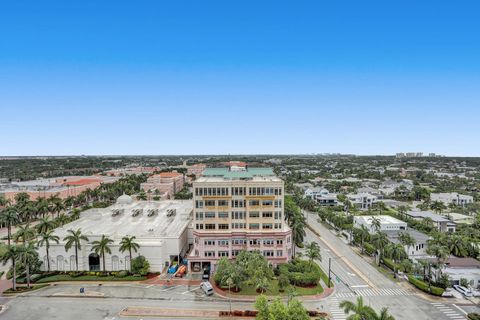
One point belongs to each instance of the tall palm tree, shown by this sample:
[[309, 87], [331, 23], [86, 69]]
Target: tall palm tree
[[438, 206], [397, 252], [457, 246], [11, 254], [298, 232], [45, 239], [441, 254], [376, 224], [407, 240], [359, 309], [42, 206], [312, 251], [58, 207], [27, 253], [364, 235], [9, 217], [74, 238], [129, 244], [101, 247], [45, 224], [380, 241], [28, 211]]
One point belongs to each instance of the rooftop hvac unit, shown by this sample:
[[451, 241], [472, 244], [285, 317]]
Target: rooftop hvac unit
[[116, 212], [136, 212], [152, 212], [171, 212]]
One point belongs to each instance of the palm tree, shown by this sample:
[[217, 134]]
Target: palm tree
[[142, 195], [380, 240], [298, 232], [313, 252], [407, 240], [402, 210], [456, 246], [45, 239], [11, 254], [376, 224], [364, 235], [9, 217], [27, 253], [58, 207], [129, 244], [441, 253], [24, 233], [438, 206], [384, 315], [101, 247], [359, 309], [397, 252], [74, 238], [42, 206], [45, 224]]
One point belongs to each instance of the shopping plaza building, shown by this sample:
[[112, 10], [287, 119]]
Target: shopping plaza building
[[238, 208]]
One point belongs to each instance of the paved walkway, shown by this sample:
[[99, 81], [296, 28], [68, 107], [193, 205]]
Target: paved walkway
[[163, 312]]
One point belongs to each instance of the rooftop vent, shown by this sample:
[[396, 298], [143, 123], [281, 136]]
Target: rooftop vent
[[171, 212], [136, 212], [116, 212], [152, 212]]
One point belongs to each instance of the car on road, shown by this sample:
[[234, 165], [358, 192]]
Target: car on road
[[207, 288], [466, 292]]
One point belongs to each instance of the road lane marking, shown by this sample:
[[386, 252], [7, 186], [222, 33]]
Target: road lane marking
[[461, 310]]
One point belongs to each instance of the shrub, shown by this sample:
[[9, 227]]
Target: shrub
[[473, 316], [388, 263], [140, 265], [301, 272], [424, 286], [122, 274], [369, 248]]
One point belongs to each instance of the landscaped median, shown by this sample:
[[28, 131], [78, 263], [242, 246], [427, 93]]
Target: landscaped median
[[21, 289], [425, 287], [84, 276]]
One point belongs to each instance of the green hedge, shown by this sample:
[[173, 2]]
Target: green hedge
[[66, 277], [301, 272], [473, 316], [424, 286], [389, 264]]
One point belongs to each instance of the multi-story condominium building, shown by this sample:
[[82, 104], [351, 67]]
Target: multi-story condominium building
[[164, 184], [452, 197], [238, 208], [363, 201]]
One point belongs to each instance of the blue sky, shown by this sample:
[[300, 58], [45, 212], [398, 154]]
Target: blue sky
[[233, 77]]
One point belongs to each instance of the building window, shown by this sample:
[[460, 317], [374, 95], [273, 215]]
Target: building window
[[209, 254], [199, 226], [279, 253], [278, 226], [240, 242], [199, 215], [268, 242], [223, 254], [210, 203], [237, 215], [235, 253], [267, 226], [267, 203], [209, 242], [198, 204], [223, 243], [268, 253], [278, 214], [254, 242], [238, 203], [210, 226], [254, 226], [279, 241], [254, 214], [223, 214], [223, 226], [238, 225], [267, 214], [253, 203], [278, 203], [222, 203], [209, 215]]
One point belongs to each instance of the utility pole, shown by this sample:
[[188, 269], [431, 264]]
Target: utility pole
[[329, 269]]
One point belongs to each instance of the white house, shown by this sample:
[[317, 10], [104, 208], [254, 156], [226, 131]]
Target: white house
[[416, 251], [467, 268], [161, 229], [363, 201], [387, 223], [312, 193], [452, 197]]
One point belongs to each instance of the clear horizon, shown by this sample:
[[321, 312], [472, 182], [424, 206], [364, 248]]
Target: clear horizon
[[221, 78]]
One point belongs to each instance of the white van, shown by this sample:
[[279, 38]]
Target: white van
[[207, 288], [466, 292]]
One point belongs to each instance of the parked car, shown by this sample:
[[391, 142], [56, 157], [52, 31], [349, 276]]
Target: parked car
[[448, 293], [476, 293], [466, 292]]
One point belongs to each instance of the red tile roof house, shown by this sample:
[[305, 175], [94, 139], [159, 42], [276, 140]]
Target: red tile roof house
[[164, 183]]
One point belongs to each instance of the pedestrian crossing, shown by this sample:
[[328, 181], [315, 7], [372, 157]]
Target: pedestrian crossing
[[448, 311], [374, 293], [335, 311]]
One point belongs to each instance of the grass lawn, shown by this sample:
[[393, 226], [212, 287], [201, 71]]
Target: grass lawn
[[3, 248], [21, 289], [273, 290], [66, 277]]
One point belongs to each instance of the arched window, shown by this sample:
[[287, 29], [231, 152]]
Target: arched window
[[115, 264], [60, 263]]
